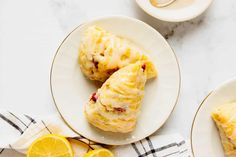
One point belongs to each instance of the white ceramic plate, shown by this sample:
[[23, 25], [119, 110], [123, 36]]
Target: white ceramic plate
[[180, 10], [71, 90], [204, 135]]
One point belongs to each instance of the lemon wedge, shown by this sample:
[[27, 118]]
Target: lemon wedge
[[50, 146], [99, 153]]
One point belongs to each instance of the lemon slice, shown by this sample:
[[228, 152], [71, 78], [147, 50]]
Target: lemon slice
[[50, 146], [99, 153]]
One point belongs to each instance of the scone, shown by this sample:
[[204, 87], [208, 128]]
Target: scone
[[116, 105], [102, 53], [225, 119]]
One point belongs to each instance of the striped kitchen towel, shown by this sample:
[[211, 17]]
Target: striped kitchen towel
[[18, 131]]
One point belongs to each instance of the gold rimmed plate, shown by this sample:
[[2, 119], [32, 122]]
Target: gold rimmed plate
[[71, 90], [205, 138], [175, 10]]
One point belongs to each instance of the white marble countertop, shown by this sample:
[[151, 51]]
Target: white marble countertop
[[31, 31]]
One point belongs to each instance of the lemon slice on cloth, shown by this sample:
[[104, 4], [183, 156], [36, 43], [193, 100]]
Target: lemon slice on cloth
[[50, 146], [99, 153]]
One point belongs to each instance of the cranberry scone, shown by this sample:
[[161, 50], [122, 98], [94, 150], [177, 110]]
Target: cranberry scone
[[225, 119], [116, 105], [102, 53]]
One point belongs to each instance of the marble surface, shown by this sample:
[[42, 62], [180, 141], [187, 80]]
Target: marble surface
[[31, 31]]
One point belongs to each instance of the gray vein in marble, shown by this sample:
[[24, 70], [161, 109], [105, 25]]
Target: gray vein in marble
[[168, 29], [68, 12]]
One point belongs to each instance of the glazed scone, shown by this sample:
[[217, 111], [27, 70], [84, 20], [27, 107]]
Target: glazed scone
[[116, 105], [225, 119], [102, 53]]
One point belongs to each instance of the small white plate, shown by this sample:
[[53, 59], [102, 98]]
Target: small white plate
[[178, 11], [205, 138], [71, 90]]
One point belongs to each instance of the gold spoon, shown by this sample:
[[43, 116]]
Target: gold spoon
[[161, 3]]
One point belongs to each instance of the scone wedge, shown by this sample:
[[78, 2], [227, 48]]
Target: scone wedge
[[102, 53], [116, 105], [225, 119]]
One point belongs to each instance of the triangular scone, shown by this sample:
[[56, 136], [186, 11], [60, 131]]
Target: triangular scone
[[116, 105], [225, 118], [102, 53]]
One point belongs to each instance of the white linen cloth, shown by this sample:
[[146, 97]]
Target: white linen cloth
[[18, 131]]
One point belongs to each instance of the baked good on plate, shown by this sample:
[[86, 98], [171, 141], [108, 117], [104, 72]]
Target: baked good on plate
[[225, 119], [116, 105], [102, 53]]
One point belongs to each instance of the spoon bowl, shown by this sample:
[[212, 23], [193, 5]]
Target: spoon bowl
[[161, 3]]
